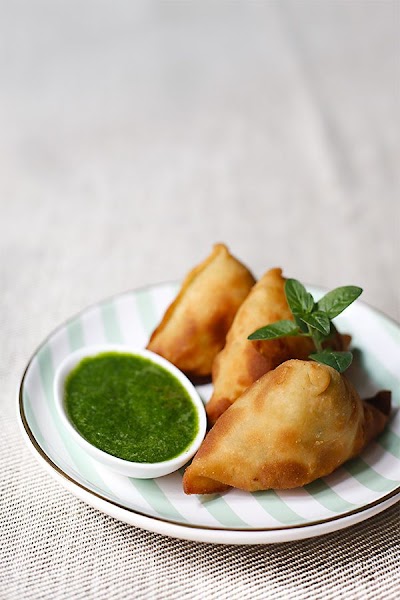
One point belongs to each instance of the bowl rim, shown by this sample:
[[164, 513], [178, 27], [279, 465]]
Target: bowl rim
[[149, 469]]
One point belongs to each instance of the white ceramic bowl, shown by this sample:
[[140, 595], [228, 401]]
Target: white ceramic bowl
[[119, 465]]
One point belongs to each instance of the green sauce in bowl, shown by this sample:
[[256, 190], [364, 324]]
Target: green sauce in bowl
[[130, 407]]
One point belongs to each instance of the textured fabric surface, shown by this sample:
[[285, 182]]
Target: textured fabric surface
[[54, 546], [134, 135]]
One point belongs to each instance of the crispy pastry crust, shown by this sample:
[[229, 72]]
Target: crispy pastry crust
[[296, 424], [242, 362], [194, 327]]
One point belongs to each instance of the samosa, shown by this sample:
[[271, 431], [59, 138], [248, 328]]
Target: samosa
[[242, 362], [194, 327], [295, 424]]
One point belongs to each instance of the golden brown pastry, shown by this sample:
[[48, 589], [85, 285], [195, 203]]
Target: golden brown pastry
[[194, 327], [297, 423], [242, 361]]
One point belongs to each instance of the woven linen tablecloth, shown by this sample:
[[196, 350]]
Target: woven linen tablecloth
[[134, 135]]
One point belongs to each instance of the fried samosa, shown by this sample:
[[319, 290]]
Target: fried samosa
[[194, 327], [242, 362], [297, 423]]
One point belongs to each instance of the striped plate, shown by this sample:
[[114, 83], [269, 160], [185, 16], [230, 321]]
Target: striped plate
[[356, 491]]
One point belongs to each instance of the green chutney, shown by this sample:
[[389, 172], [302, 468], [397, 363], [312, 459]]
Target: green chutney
[[130, 407]]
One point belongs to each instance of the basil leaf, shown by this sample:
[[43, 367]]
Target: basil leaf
[[317, 336], [338, 360], [275, 330], [299, 300], [301, 324], [334, 302], [333, 330], [318, 320]]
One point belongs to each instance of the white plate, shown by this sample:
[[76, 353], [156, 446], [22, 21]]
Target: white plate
[[354, 492]]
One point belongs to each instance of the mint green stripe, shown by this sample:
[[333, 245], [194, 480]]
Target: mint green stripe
[[390, 442], [75, 334], [384, 378], [46, 370], [219, 509], [111, 323], [146, 309], [392, 328], [373, 369], [222, 512], [31, 418], [153, 494], [325, 495], [368, 477], [277, 508]]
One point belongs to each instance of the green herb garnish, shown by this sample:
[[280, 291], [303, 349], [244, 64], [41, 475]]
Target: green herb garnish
[[314, 320]]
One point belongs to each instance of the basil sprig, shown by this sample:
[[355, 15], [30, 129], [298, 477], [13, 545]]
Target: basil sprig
[[314, 320]]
